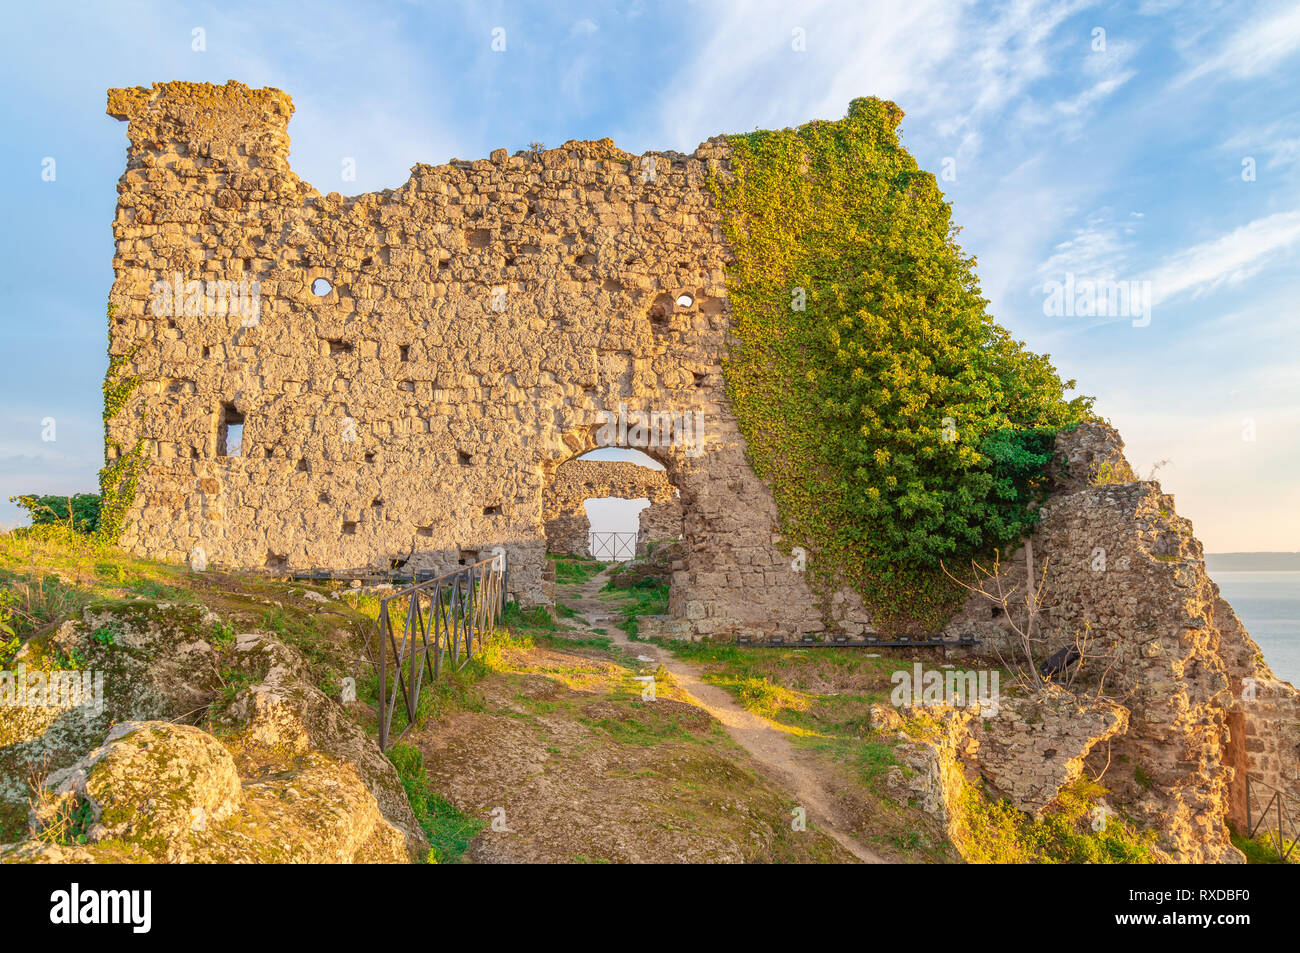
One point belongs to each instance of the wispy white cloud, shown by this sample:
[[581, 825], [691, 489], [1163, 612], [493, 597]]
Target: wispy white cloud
[[1098, 249], [1258, 47], [1230, 258]]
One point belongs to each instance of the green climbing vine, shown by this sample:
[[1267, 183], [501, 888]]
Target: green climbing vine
[[897, 424], [118, 479]]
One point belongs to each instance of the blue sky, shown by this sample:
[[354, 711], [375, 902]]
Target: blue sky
[[1119, 159]]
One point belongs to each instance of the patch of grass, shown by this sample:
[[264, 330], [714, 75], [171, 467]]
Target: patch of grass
[[647, 597], [233, 681], [527, 620], [1262, 849], [994, 832], [868, 758], [570, 570], [448, 829], [68, 823], [157, 591], [223, 634]]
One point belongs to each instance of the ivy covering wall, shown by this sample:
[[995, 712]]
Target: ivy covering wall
[[119, 478], [896, 423]]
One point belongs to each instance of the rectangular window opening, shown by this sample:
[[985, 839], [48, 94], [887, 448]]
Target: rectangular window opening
[[230, 432]]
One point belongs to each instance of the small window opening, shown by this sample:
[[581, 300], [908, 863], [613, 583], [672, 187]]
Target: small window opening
[[349, 528], [404, 352], [370, 456], [685, 301], [464, 458], [207, 351], [230, 432], [340, 347], [323, 498], [302, 466], [320, 287], [425, 531], [492, 510]]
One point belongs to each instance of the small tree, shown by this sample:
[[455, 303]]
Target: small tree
[[1020, 612]]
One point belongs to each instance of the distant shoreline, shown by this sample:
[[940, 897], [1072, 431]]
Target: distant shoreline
[[1252, 562]]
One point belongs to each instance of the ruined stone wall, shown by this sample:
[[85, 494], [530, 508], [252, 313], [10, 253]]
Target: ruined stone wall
[[1122, 570], [478, 320], [658, 522], [564, 510]]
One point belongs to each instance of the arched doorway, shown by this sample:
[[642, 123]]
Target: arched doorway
[[609, 504]]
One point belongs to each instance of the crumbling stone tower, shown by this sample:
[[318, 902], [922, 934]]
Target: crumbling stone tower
[[421, 360]]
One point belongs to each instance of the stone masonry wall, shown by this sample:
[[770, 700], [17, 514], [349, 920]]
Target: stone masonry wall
[[657, 522], [477, 322]]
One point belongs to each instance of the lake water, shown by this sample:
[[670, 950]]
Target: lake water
[[1268, 604]]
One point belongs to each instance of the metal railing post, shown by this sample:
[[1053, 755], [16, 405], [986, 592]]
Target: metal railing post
[[466, 602]]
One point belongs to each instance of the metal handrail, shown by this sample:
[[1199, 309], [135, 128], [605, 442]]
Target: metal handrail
[[454, 609], [1280, 801]]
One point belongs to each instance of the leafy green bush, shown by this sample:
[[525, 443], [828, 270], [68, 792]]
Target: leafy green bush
[[79, 512], [896, 422]]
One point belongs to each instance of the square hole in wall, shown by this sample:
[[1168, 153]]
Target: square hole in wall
[[370, 456], [338, 347], [492, 510], [404, 352], [349, 528], [323, 498], [464, 458], [425, 531], [302, 466]]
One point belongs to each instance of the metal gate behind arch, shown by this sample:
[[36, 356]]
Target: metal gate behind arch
[[612, 547]]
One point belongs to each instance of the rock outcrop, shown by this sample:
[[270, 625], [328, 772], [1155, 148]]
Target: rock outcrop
[[1124, 575], [284, 774]]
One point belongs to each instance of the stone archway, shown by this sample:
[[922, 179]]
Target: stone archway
[[564, 515]]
